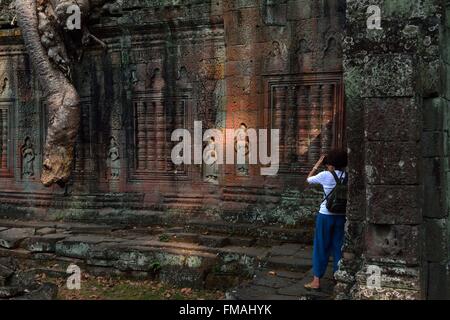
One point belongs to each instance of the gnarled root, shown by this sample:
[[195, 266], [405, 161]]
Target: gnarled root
[[62, 133], [62, 99], [43, 24]]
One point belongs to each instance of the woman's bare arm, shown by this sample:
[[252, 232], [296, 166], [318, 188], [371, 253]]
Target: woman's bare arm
[[315, 168]]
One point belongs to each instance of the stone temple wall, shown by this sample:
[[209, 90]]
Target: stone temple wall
[[267, 64], [397, 101]]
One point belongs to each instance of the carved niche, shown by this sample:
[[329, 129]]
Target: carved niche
[[276, 61], [308, 111], [113, 159], [156, 116], [304, 56], [332, 51], [5, 88]]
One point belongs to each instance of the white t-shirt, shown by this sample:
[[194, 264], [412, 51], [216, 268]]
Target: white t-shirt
[[328, 183]]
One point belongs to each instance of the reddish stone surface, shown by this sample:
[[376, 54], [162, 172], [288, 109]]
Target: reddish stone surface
[[220, 64]]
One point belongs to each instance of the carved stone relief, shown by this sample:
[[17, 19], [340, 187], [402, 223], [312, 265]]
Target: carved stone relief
[[242, 148], [211, 167], [276, 61], [28, 157], [114, 159]]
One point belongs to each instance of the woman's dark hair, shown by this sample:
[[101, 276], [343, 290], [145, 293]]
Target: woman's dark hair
[[337, 158]]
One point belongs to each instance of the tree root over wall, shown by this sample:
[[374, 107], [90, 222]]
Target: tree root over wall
[[43, 27]]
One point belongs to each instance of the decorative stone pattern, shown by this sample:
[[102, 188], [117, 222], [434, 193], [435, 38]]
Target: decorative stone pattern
[[220, 63]]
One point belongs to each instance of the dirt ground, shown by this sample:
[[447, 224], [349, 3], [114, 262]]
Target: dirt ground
[[103, 288]]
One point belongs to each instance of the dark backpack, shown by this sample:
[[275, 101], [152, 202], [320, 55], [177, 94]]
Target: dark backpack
[[337, 199]]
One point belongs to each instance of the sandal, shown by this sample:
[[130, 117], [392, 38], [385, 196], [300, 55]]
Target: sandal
[[309, 287]]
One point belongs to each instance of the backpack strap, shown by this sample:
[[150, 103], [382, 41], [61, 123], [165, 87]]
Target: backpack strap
[[338, 182]]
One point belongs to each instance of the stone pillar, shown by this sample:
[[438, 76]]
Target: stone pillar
[[304, 122], [327, 118], [315, 124], [141, 132], [246, 39], [242, 24], [436, 177], [398, 213], [160, 136], [151, 135]]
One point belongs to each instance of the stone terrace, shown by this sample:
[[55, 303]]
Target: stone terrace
[[194, 257]]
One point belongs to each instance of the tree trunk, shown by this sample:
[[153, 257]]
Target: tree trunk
[[62, 99]]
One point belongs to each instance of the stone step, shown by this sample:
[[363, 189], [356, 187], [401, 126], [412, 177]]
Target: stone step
[[109, 221], [265, 285], [263, 233], [178, 234], [6, 224], [181, 237], [204, 240], [72, 227], [247, 198], [281, 285], [184, 200], [281, 275], [12, 238], [119, 197], [289, 263], [43, 243], [242, 241], [298, 290], [19, 254], [181, 196], [131, 218], [251, 190], [37, 205], [189, 204], [172, 255], [190, 208], [181, 268], [290, 257], [214, 241], [180, 262]]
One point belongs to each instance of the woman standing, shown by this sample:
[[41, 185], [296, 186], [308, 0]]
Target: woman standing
[[329, 232]]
